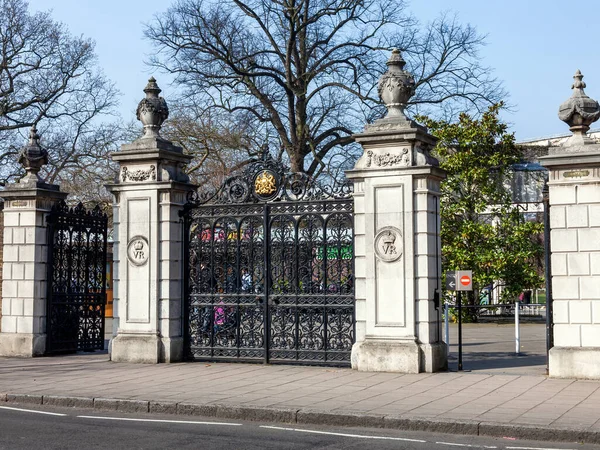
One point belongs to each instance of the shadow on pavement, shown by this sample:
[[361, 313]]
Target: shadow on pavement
[[536, 364]]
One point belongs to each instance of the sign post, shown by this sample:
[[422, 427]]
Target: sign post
[[464, 282]]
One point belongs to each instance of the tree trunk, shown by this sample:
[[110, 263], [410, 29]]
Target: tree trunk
[[296, 161]]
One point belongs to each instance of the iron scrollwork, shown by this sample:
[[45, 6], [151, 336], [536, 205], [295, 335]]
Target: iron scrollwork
[[76, 278], [266, 179], [270, 269]]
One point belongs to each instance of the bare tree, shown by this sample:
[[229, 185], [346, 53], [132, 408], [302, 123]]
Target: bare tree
[[219, 145], [80, 163], [48, 78], [308, 69]]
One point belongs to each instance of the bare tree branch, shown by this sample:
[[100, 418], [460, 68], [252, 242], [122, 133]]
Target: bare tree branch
[[50, 78], [308, 69]]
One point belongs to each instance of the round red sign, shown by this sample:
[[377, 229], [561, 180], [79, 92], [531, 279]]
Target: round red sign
[[465, 280]]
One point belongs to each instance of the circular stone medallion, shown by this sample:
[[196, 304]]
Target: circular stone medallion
[[388, 244], [138, 250]]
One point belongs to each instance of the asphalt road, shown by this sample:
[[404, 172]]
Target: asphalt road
[[27, 427]]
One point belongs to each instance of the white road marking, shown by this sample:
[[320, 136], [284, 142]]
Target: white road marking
[[466, 445], [359, 436], [33, 411], [127, 419], [298, 430]]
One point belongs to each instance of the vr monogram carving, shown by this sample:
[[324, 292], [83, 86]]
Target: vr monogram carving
[[138, 250], [388, 244]]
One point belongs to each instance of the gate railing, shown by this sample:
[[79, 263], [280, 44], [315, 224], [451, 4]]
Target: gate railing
[[77, 247], [270, 270]]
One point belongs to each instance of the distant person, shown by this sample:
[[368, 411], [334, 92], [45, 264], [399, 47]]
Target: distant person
[[246, 281], [230, 281]]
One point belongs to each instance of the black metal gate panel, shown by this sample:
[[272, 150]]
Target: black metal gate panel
[[76, 279], [270, 270]]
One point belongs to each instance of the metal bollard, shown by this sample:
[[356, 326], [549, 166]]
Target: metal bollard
[[517, 330], [459, 299], [447, 329]]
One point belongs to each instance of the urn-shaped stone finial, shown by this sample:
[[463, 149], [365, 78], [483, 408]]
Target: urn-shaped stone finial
[[152, 111], [396, 86], [579, 111], [33, 156]]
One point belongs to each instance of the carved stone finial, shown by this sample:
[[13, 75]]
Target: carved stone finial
[[33, 156], [579, 112], [152, 111], [396, 86]]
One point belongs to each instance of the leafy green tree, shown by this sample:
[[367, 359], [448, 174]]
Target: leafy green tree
[[481, 228]]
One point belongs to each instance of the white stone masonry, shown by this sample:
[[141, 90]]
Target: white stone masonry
[[25, 270], [397, 238], [397, 250], [574, 194], [148, 242]]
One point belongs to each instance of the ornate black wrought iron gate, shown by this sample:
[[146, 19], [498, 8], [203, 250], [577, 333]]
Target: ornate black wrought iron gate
[[76, 279], [270, 270]]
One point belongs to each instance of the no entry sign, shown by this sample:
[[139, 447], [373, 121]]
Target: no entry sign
[[465, 280]]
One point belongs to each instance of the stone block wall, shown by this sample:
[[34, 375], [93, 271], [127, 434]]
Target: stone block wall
[[575, 237], [427, 257], [360, 271], [1, 258], [24, 277]]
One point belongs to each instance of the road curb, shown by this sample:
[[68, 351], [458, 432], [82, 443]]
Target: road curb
[[116, 404], [162, 407], [70, 402], [24, 398], [541, 433], [434, 425], [308, 416], [315, 417], [257, 414]]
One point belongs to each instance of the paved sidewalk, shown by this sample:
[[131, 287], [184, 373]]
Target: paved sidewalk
[[490, 348], [532, 407]]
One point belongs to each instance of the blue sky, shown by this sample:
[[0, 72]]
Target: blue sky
[[535, 47]]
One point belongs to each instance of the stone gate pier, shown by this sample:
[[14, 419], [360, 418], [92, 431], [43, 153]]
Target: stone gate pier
[[25, 271], [148, 264], [397, 239], [574, 194]]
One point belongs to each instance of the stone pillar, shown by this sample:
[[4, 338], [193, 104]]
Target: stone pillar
[[25, 256], [148, 265], [397, 241], [574, 190]]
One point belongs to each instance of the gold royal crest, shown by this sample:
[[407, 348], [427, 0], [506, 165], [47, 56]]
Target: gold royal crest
[[265, 184]]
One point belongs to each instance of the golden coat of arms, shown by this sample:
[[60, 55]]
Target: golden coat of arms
[[265, 184]]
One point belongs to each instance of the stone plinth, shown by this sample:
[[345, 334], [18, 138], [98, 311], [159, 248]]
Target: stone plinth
[[148, 251], [25, 256], [397, 250], [574, 188]]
